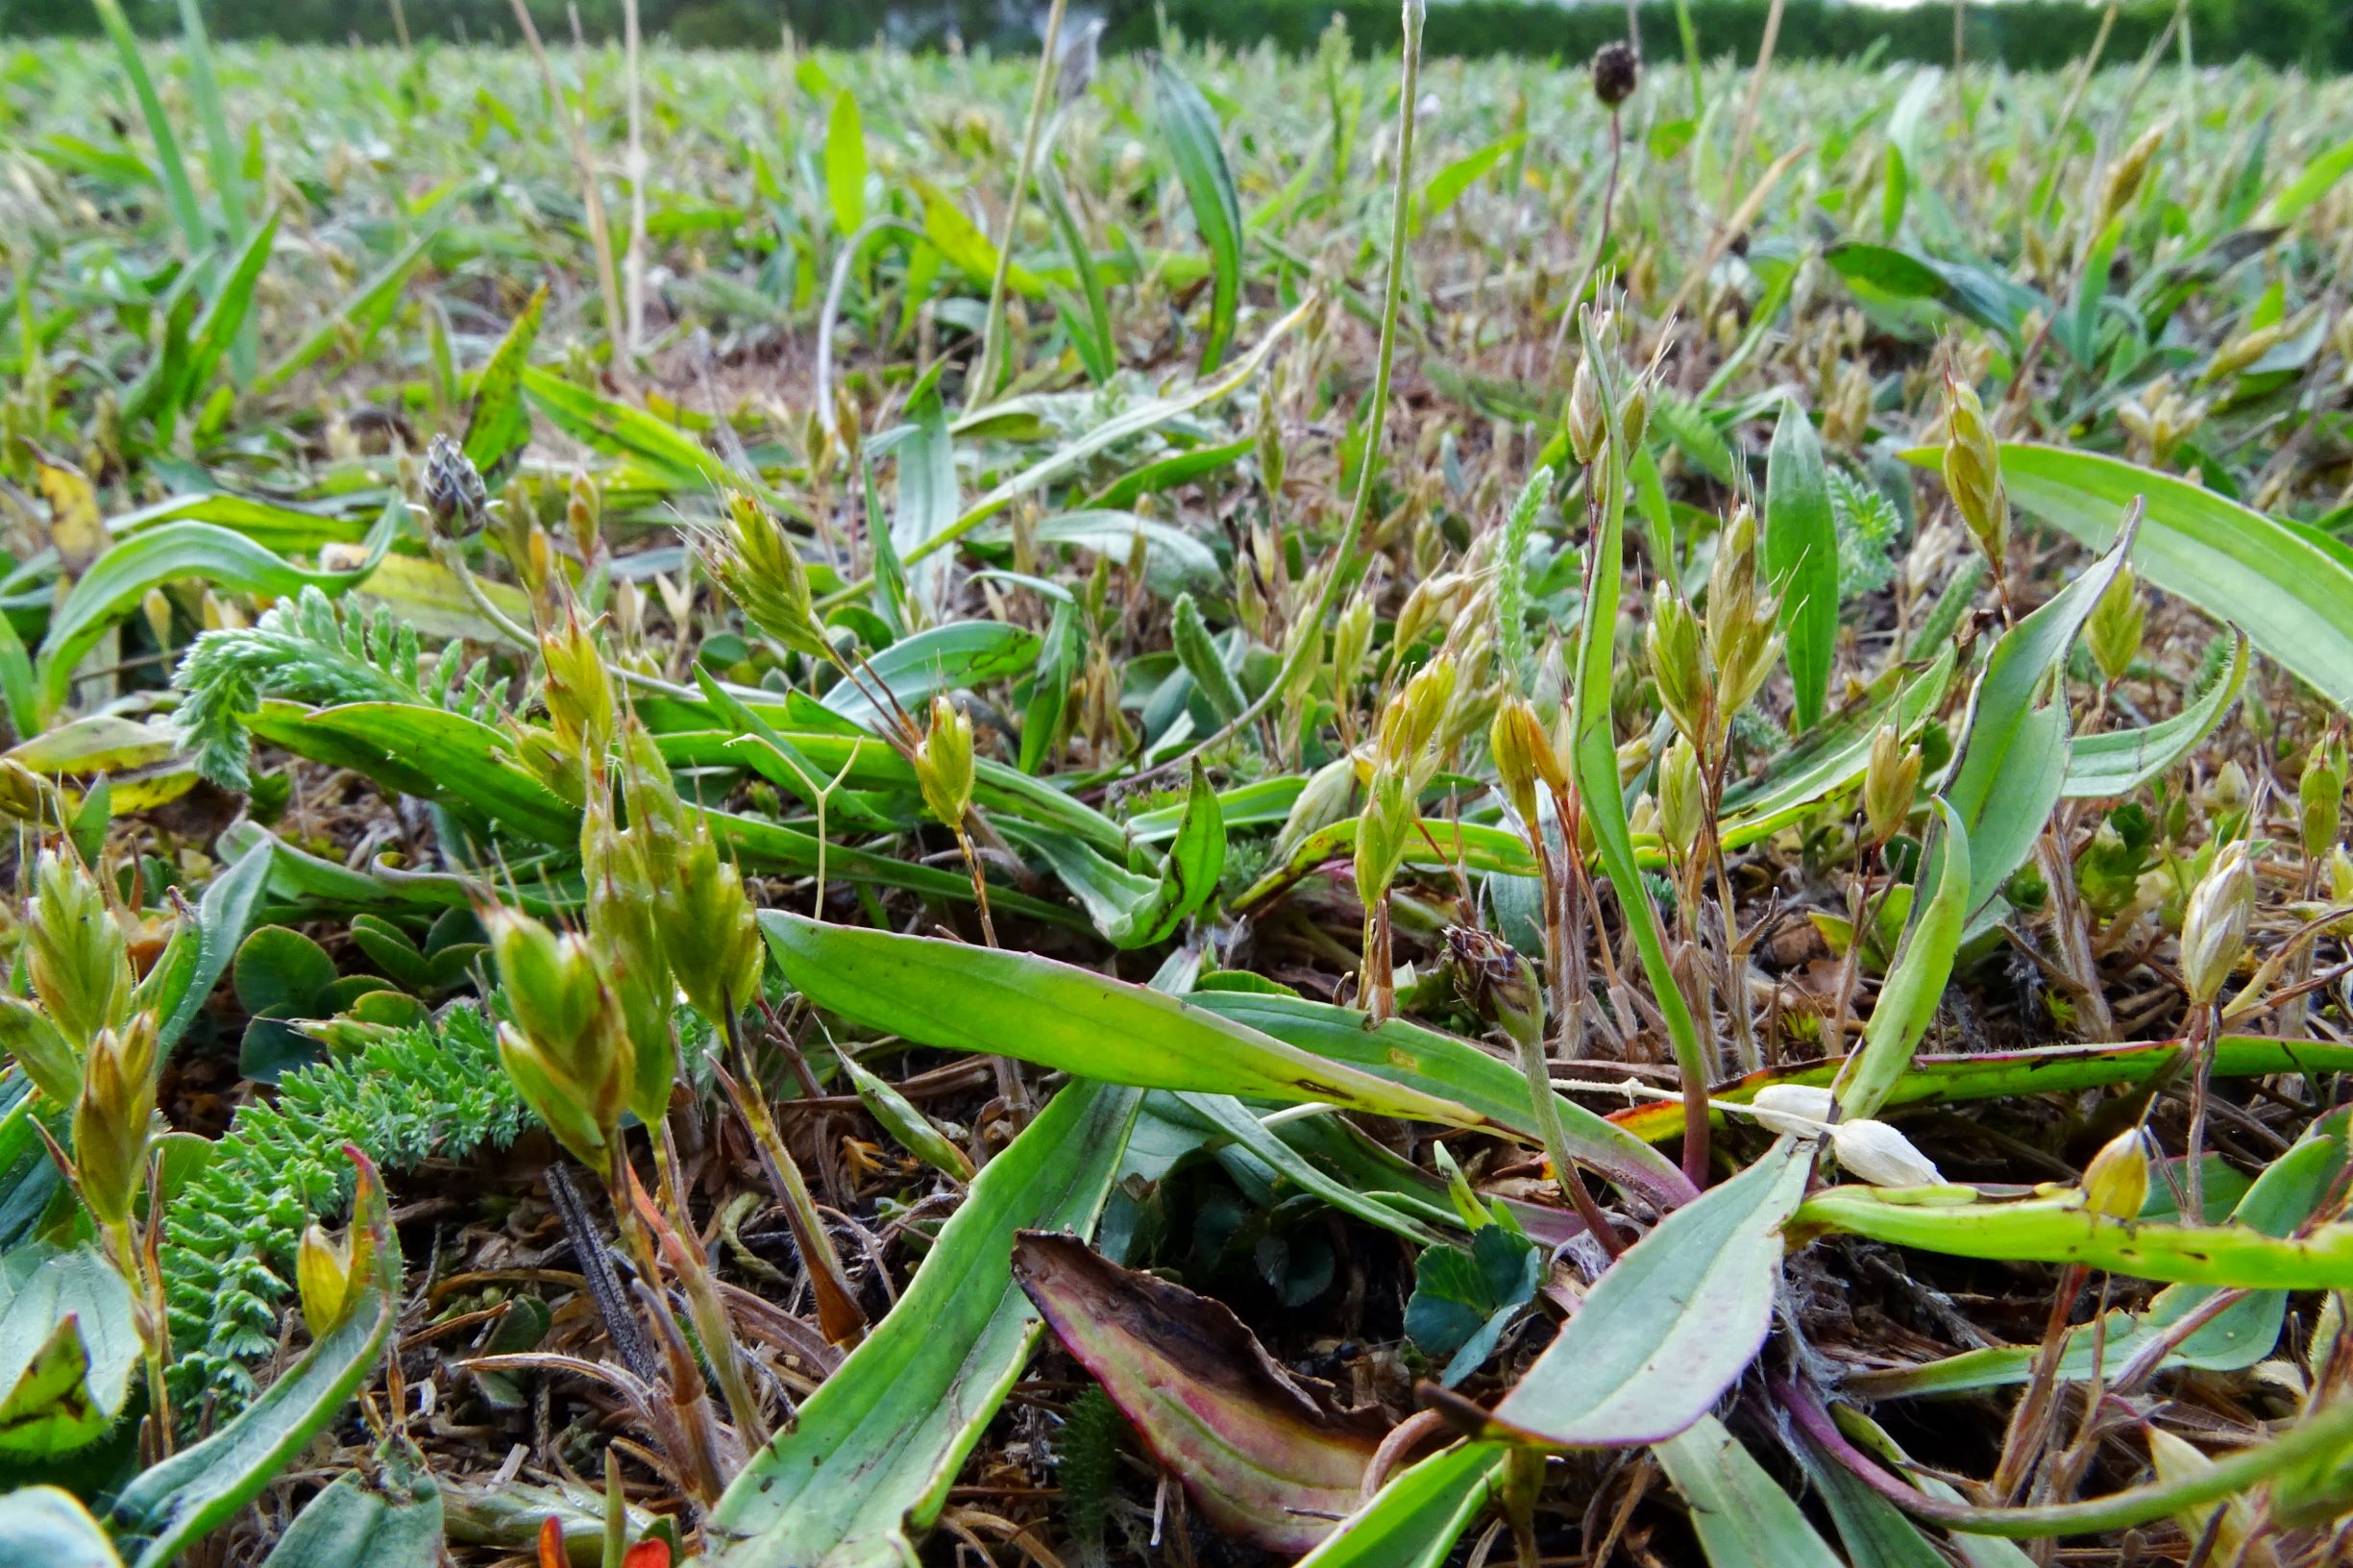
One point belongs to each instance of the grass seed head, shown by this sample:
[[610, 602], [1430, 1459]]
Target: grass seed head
[[2214, 925], [2115, 1183], [943, 763], [113, 1118], [77, 959], [1890, 781], [1973, 471], [567, 1048]]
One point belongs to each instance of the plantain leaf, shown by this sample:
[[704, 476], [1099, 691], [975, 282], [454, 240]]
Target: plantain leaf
[[1672, 1322], [959, 997], [171, 552], [1801, 556], [870, 1456], [44, 1527], [356, 1522]]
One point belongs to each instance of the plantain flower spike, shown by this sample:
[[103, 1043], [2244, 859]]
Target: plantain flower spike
[[567, 1048], [2115, 1183], [754, 561], [113, 1118], [943, 763], [78, 962], [1972, 472], [2214, 926], [1890, 781], [1496, 981]]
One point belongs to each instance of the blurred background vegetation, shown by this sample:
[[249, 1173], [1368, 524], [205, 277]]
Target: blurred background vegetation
[[2316, 35]]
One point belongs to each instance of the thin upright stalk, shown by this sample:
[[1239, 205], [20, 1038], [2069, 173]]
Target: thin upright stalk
[[992, 329], [634, 266]]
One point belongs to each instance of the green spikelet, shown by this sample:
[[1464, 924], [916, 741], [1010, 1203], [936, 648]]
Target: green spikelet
[[435, 1090]]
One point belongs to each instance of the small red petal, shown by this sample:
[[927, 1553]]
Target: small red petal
[[551, 1543], [652, 1553]]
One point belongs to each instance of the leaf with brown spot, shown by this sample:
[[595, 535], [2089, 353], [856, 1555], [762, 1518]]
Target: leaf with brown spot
[[1263, 1455]]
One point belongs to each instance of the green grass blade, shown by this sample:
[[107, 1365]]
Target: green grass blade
[[1801, 556], [170, 167], [1915, 987], [1740, 1514], [1189, 128]]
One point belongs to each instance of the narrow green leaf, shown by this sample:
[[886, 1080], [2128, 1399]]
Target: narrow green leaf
[[2044, 1070], [1458, 1072], [1915, 987], [2013, 763], [2060, 1229], [2289, 586], [1189, 128], [114, 586], [959, 997], [846, 165], [1741, 1515], [1416, 1519], [1801, 557], [2119, 761], [499, 424]]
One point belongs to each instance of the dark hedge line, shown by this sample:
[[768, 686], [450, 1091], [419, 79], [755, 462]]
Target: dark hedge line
[[2316, 34]]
